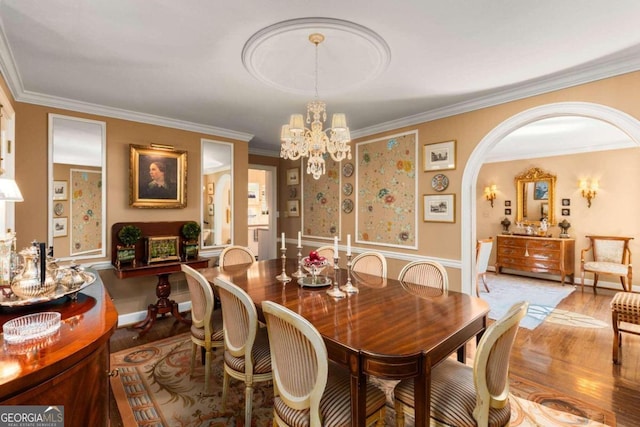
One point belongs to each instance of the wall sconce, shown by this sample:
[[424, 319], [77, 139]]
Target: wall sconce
[[589, 191], [490, 193]]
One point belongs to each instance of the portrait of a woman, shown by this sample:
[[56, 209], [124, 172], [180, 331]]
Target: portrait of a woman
[[158, 181]]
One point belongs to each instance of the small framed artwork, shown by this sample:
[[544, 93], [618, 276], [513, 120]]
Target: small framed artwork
[[541, 190], [507, 211], [544, 210], [507, 202], [439, 208], [210, 188], [293, 176], [210, 209], [566, 212], [162, 248], [566, 202], [439, 156], [60, 190], [293, 207], [60, 226]]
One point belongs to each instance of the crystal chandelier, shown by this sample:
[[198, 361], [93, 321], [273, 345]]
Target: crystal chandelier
[[313, 142]]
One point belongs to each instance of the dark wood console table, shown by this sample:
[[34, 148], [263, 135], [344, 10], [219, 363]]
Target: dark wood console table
[[161, 269]]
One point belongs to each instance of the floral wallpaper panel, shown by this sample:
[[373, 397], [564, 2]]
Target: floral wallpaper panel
[[86, 211], [386, 185], [321, 201]]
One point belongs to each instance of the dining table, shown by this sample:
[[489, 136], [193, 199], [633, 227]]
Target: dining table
[[388, 329]]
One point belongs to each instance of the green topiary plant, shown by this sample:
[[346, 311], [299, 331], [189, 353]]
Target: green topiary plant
[[191, 230], [129, 235]]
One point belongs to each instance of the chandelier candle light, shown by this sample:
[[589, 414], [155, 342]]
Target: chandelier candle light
[[299, 141]]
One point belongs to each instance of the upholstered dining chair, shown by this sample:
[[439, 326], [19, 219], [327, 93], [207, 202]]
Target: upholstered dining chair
[[206, 322], [373, 263], [419, 274], [611, 256], [246, 346], [483, 253], [462, 395], [234, 255], [308, 390]]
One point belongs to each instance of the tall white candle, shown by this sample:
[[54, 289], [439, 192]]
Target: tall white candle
[[335, 246], [348, 244], [282, 241], [299, 239]]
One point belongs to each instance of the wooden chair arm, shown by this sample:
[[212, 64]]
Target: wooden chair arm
[[583, 252]]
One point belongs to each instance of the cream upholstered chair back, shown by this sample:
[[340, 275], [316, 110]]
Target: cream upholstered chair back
[[206, 328], [491, 362], [483, 253], [299, 360], [610, 255], [373, 263], [234, 255], [246, 346], [327, 252], [424, 273]]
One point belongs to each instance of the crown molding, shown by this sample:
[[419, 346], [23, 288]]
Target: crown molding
[[262, 151], [557, 81]]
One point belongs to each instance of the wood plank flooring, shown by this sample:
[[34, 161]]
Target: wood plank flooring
[[575, 361]]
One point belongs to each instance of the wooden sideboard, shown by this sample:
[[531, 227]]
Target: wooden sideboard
[[71, 369], [536, 255]]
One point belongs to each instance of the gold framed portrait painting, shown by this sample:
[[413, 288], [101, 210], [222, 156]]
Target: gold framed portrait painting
[[158, 177]]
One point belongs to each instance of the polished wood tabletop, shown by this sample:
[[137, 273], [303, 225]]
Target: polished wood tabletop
[[383, 330]]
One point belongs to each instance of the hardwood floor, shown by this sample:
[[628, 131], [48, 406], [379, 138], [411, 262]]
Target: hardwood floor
[[575, 361]]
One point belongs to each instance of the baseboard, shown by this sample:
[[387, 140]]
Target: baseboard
[[602, 284], [131, 318]]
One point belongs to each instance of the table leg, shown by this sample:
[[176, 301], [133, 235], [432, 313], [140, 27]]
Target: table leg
[[162, 306], [422, 396], [358, 400]]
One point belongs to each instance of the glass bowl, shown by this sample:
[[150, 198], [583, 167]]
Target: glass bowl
[[31, 327]]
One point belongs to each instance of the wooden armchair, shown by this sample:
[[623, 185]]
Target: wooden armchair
[[611, 255]]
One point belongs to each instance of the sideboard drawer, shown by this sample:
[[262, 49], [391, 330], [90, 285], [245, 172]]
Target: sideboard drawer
[[536, 255]]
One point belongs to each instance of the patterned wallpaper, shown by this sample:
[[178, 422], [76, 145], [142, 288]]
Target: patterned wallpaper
[[86, 211], [321, 202], [386, 189]]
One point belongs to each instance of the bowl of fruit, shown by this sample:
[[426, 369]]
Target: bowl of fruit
[[314, 264]]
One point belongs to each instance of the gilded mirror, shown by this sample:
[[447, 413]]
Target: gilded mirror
[[217, 194], [535, 194], [77, 198]]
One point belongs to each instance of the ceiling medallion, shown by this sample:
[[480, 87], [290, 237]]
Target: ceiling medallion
[[279, 56]]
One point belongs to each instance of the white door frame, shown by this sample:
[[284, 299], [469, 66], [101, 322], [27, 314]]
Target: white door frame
[[271, 187]]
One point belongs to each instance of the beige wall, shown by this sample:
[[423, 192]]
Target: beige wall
[[443, 240], [611, 211], [31, 172]]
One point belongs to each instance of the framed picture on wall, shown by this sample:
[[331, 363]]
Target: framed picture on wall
[[439, 156], [293, 176], [60, 190], [439, 208], [210, 188], [157, 177], [293, 207], [60, 226]]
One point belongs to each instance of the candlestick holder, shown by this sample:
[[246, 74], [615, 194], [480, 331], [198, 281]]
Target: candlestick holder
[[348, 287], [299, 272], [283, 276], [335, 290]]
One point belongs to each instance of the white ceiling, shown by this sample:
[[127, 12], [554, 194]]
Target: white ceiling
[[189, 65]]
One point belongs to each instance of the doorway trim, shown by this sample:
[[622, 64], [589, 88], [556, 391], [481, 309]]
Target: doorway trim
[[617, 118]]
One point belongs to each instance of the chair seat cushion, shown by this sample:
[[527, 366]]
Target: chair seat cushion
[[261, 355], [606, 268], [335, 405], [627, 305], [218, 333], [453, 396]]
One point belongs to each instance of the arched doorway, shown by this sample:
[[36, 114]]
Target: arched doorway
[[625, 122]]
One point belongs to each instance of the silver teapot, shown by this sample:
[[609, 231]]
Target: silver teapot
[[27, 283]]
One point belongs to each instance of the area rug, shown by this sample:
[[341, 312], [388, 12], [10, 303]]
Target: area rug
[[154, 389], [505, 290]]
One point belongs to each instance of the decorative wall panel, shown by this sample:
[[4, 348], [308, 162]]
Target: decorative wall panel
[[86, 211], [386, 188], [321, 202]]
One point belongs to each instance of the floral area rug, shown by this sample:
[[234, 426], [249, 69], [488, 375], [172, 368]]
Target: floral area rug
[[153, 389]]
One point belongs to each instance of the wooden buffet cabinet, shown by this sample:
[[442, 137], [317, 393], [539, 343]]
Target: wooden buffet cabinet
[[72, 369], [536, 255]]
